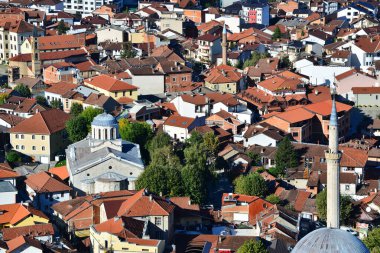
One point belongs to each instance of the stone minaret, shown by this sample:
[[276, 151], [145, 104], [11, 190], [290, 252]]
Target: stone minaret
[[333, 168], [224, 45], [35, 53]]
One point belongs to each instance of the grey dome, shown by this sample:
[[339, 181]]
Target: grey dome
[[330, 240], [104, 120]]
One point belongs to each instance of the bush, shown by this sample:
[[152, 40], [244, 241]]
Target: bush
[[12, 157]]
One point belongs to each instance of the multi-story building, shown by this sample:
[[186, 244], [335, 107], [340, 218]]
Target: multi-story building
[[88, 6], [209, 46], [42, 137], [12, 35], [61, 72], [257, 13]]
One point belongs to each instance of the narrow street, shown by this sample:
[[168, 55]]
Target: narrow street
[[222, 186]]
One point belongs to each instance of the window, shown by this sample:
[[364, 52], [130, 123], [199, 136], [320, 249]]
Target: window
[[43, 148], [22, 147], [157, 221], [295, 134], [33, 137], [174, 79], [130, 93], [33, 147], [17, 147], [62, 194], [347, 187], [16, 136], [115, 94], [43, 137]]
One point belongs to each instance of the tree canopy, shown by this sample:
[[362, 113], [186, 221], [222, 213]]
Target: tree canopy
[[89, 114], [274, 199], [12, 157], [76, 109], [252, 246], [76, 128], [163, 174], [252, 184], [128, 51], [56, 104], [62, 28], [23, 90], [276, 33], [346, 207], [372, 241], [255, 59], [41, 100], [285, 157]]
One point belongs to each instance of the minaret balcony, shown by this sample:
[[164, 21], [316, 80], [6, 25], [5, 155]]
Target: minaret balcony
[[332, 156]]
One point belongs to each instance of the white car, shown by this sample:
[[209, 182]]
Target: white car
[[350, 230]]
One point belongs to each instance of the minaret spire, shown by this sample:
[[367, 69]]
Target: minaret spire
[[224, 45], [333, 168]]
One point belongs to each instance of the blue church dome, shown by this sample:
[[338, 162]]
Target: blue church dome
[[104, 120], [330, 240]]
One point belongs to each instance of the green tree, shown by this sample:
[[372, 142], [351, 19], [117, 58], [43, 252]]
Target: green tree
[[76, 109], [89, 114], [196, 174], [62, 28], [256, 158], [276, 33], [286, 156], [252, 184], [252, 246], [56, 104], [3, 98], [372, 241], [13, 156], [274, 199], [163, 174], [41, 100], [285, 62], [136, 132], [76, 128], [256, 56], [128, 51], [346, 207], [23, 90], [160, 140]]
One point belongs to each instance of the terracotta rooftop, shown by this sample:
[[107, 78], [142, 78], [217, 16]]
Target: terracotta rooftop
[[61, 88], [64, 41], [179, 121], [324, 108], [46, 122], [223, 74], [14, 213], [108, 83], [45, 182], [6, 171], [61, 172], [37, 230], [366, 90], [22, 241]]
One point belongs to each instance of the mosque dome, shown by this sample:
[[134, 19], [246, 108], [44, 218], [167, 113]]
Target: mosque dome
[[329, 240], [104, 120]]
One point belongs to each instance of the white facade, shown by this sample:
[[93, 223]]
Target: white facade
[[112, 34], [44, 201], [8, 197], [260, 140], [177, 133], [351, 13], [232, 22], [149, 84], [88, 6], [362, 59]]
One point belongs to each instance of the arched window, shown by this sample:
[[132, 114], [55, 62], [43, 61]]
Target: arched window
[[105, 134]]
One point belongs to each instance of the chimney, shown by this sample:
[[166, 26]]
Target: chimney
[[150, 197], [189, 202]]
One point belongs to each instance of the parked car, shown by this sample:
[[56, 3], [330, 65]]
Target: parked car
[[350, 230]]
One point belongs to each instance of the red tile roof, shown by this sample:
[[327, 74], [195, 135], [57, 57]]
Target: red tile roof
[[366, 90], [179, 121], [61, 172], [46, 56], [44, 182], [140, 205], [223, 74], [7, 172], [14, 213], [46, 122], [28, 231], [324, 108], [61, 88], [109, 83], [16, 243], [64, 41]]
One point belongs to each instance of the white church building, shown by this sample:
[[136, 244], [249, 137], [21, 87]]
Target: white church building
[[103, 161]]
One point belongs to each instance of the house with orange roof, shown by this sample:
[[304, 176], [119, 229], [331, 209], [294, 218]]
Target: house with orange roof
[[14, 32], [239, 208], [42, 232], [224, 78], [45, 190], [365, 51], [19, 215], [77, 215], [42, 137], [226, 121], [8, 191], [105, 11], [24, 244], [157, 210], [205, 104], [179, 127], [61, 72], [112, 87], [64, 42], [209, 46], [57, 92], [21, 107], [124, 233], [60, 172]]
